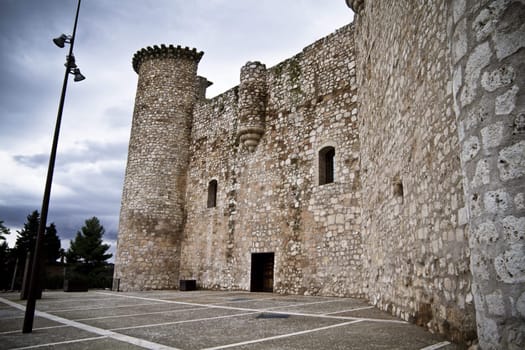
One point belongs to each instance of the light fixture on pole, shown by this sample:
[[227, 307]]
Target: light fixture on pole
[[62, 40], [71, 68]]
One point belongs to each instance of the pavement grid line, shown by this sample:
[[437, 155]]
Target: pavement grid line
[[103, 332], [60, 343], [350, 310], [102, 307], [268, 310], [183, 321], [436, 346], [35, 329], [139, 314], [281, 336]]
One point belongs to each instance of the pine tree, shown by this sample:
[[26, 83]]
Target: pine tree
[[87, 255], [25, 242], [87, 247], [52, 248], [27, 238], [4, 257], [4, 231]]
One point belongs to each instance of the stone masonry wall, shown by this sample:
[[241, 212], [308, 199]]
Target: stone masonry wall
[[269, 200], [415, 232], [488, 58], [152, 212], [425, 215]]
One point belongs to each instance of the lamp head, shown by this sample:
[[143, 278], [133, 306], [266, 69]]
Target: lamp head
[[78, 75], [61, 40]]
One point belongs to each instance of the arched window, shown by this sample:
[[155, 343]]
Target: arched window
[[212, 194], [326, 165]]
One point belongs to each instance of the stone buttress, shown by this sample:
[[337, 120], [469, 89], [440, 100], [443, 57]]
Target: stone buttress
[[153, 212]]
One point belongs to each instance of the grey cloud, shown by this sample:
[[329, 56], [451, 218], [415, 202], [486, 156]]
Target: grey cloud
[[90, 172], [88, 152], [33, 161]]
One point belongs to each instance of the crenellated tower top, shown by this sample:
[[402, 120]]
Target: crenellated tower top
[[164, 51]]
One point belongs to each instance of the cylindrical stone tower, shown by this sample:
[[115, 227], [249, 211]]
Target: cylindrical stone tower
[[252, 104], [152, 212], [488, 55]]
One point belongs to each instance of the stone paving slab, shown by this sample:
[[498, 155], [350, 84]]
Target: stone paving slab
[[171, 320], [43, 336], [102, 343], [14, 324], [366, 313], [326, 306], [97, 311], [186, 315], [358, 336], [220, 332]]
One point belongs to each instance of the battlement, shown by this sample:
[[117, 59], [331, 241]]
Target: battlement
[[164, 51]]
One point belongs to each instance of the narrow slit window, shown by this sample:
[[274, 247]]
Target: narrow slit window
[[326, 165], [398, 190], [212, 194]]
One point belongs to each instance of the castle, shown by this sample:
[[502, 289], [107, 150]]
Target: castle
[[384, 161]]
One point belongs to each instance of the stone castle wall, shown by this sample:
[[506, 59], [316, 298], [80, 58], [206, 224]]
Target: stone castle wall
[[269, 199], [423, 104], [416, 260]]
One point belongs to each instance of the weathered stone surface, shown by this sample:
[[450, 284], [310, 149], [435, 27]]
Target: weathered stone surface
[[415, 245], [269, 197], [487, 19], [511, 161], [477, 60], [506, 102], [152, 213], [520, 305], [495, 303], [425, 212], [509, 34], [471, 148], [510, 266], [498, 78], [493, 178]]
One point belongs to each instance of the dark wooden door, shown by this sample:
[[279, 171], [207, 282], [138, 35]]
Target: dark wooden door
[[262, 272]]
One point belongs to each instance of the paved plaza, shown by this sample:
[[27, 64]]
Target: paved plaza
[[206, 320]]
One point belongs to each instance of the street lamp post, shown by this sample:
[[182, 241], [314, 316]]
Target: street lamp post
[[71, 68]]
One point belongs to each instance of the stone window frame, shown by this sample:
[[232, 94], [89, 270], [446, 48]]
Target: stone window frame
[[213, 185], [324, 178]]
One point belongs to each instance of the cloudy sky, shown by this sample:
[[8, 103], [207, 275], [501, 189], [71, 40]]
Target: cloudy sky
[[92, 150]]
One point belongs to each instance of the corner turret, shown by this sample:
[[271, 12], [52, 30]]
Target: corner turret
[[152, 212]]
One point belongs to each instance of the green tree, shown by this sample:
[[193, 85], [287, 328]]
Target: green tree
[[87, 247], [4, 257], [27, 238], [25, 243], [4, 231], [87, 256], [52, 248]]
